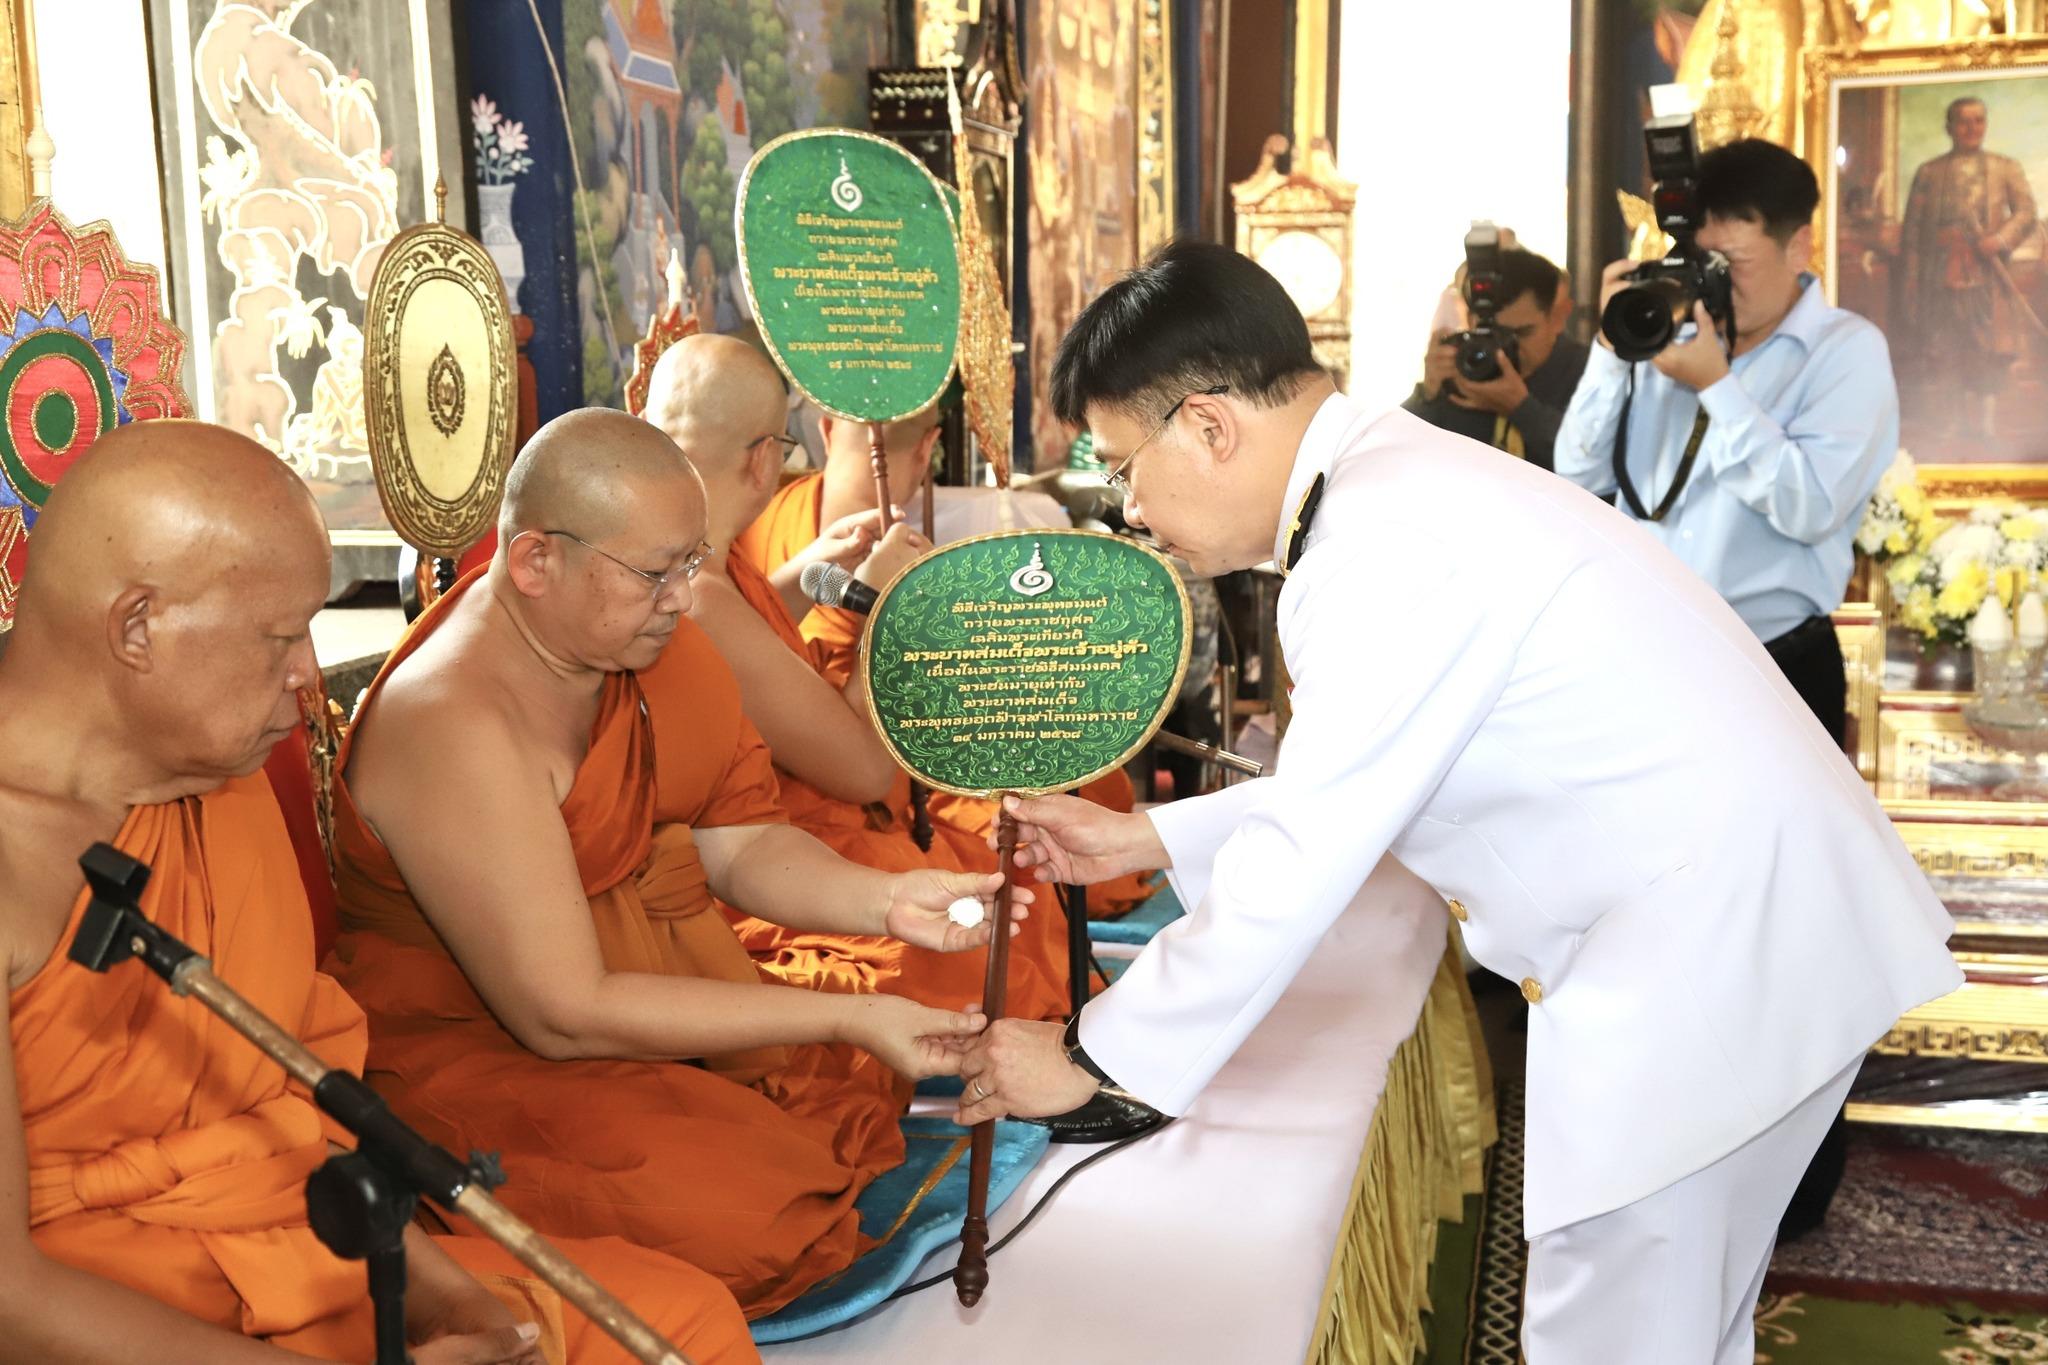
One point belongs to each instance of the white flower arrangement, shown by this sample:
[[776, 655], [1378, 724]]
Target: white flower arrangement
[[1999, 548], [1893, 519], [501, 143]]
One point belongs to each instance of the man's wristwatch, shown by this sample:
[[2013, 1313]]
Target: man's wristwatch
[[1078, 1055]]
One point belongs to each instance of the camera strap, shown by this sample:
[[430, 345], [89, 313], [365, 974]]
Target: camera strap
[[1685, 463]]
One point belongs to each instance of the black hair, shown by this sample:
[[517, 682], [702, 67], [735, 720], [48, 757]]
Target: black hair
[[1522, 271], [1761, 182], [1193, 317]]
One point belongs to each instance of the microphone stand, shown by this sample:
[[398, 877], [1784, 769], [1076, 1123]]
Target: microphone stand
[[358, 1203]]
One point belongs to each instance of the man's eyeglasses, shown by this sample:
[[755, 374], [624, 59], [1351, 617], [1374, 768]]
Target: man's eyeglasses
[[663, 583], [1118, 478], [783, 438]]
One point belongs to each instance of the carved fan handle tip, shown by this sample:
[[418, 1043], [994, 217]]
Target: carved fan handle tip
[[970, 1276]]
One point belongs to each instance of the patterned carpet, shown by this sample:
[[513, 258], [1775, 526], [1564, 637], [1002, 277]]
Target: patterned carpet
[[1935, 1252], [1928, 1214]]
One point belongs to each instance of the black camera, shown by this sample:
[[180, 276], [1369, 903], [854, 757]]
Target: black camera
[[1481, 345], [1642, 319]]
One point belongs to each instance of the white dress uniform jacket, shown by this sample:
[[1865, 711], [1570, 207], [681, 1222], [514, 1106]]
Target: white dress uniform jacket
[[1542, 713]]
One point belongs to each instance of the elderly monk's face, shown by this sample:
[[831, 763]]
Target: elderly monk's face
[[626, 591], [227, 664]]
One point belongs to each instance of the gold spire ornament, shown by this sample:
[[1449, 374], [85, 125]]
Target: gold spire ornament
[[1764, 47], [987, 365], [1728, 112]]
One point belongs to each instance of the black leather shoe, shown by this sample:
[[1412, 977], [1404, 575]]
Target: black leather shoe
[[1105, 1118]]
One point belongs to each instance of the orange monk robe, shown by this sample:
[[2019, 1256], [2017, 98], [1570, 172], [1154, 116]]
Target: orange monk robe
[[789, 524], [747, 1165], [168, 1154], [878, 835]]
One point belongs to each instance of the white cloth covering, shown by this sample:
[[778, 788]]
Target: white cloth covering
[[1210, 1240]]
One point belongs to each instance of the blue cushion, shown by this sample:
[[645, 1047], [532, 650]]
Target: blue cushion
[[1157, 911], [912, 1227]]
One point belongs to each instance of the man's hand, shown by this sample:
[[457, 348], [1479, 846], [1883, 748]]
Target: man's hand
[[918, 901], [1079, 843], [1500, 395], [898, 550], [910, 1039], [1439, 367], [1990, 245], [1700, 363], [1613, 280], [1020, 1068]]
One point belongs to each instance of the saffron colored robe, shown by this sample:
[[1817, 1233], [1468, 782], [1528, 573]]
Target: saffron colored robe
[[746, 1165], [789, 524], [166, 1153]]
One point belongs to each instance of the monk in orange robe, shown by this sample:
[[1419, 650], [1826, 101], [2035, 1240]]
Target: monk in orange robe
[[721, 400], [786, 535], [541, 795], [152, 1161]]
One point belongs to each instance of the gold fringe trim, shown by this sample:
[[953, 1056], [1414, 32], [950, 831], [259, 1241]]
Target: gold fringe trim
[[1425, 1153]]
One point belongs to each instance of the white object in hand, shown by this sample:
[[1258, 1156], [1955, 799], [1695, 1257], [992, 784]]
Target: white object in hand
[[2033, 622], [966, 912], [1991, 628]]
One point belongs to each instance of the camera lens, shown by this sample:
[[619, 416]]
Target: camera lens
[[1641, 320], [1478, 358]]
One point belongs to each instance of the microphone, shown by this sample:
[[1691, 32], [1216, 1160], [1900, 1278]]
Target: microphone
[[831, 586]]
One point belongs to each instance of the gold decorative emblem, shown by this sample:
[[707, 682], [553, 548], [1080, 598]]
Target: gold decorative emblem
[[440, 387], [444, 391]]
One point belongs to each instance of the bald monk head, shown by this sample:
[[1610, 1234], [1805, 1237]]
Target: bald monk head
[[167, 605], [601, 530], [849, 471], [723, 403]]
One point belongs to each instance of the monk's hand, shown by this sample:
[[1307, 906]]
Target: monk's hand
[[514, 1345], [895, 552], [451, 1319], [920, 902], [1075, 842], [1019, 1067], [911, 1039]]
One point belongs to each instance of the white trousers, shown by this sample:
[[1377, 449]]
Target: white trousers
[[1673, 1278]]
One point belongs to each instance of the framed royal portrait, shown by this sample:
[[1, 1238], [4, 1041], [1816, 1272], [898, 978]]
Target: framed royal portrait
[[1932, 161], [299, 139]]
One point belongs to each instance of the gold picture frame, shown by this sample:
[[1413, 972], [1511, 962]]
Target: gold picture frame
[[1828, 73]]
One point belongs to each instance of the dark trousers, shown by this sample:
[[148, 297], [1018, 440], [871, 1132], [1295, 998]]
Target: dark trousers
[[1810, 657]]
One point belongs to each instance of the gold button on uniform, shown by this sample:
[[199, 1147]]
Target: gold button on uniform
[[1532, 990], [1459, 912]]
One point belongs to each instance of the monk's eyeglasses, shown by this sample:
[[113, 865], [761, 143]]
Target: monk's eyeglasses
[[787, 441], [1119, 478], [663, 583]]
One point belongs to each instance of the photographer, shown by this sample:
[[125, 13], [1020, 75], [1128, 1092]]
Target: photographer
[[1749, 455], [1519, 410]]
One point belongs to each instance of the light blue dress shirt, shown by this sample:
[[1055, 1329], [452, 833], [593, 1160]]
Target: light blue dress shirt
[[1801, 430]]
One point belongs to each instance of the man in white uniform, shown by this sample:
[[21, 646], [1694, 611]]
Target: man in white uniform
[[1529, 702]]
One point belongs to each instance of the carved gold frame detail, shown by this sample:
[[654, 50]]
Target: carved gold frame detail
[[1155, 126]]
